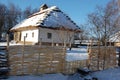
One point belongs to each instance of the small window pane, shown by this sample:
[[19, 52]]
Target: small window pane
[[33, 34], [26, 34], [49, 35]]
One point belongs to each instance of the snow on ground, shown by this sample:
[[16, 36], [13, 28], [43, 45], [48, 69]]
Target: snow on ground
[[11, 43], [40, 77], [108, 74], [77, 54]]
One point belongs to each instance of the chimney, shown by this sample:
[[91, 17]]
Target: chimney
[[43, 7]]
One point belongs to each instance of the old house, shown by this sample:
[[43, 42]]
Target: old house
[[48, 26], [115, 39]]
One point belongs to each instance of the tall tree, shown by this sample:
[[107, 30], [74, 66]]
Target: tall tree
[[3, 10], [104, 21], [27, 12], [13, 16]]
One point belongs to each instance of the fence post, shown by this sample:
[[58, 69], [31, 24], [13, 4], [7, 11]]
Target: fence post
[[7, 40], [98, 58], [8, 51], [40, 42], [23, 56], [119, 56], [52, 43]]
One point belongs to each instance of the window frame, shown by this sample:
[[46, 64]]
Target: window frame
[[49, 35]]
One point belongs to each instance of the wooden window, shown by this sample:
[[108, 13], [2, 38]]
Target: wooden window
[[32, 34], [49, 35]]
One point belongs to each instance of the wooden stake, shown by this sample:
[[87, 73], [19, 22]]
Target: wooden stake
[[23, 56], [7, 41]]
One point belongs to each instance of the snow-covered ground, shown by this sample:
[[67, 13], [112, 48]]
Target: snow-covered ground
[[11, 43], [109, 74], [77, 54], [40, 77]]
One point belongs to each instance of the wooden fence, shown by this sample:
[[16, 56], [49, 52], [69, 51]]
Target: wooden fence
[[102, 57], [72, 66], [41, 60], [36, 60]]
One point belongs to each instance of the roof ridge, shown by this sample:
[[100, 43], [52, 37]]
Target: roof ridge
[[48, 9], [48, 13]]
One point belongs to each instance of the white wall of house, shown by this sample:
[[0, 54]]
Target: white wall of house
[[57, 36], [31, 35]]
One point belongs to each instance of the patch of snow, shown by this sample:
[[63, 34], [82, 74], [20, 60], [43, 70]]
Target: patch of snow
[[5, 44], [58, 19], [75, 76], [32, 21], [115, 37], [3, 59], [108, 74], [77, 54], [2, 53]]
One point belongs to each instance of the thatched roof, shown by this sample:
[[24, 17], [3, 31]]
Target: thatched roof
[[51, 17]]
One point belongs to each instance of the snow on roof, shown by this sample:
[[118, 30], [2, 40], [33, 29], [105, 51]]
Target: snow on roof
[[51, 17], [115, 37]]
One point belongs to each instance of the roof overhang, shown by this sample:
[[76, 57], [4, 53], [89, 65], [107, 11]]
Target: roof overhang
[[24, 28], [36, 27]]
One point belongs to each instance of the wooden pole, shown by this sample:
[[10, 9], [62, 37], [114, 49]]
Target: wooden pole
[[52, 43], [7, 41], [119, 56], [23, 56], [98, 60], [40, 42], [64, 43], [7, 51], [24, 40]]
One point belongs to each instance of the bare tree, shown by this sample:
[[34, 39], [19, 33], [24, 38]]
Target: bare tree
[[84, 35], [104, 21], [27, 12], [13, 15]]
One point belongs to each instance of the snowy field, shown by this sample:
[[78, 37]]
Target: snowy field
[[77, 54], [109, 74], [40, 77]]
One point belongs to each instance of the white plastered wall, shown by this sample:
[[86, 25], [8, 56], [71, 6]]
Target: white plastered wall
[[58, 36], [32, 35]]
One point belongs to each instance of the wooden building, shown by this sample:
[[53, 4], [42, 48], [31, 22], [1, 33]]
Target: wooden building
[[115, 39], [48, 26]]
